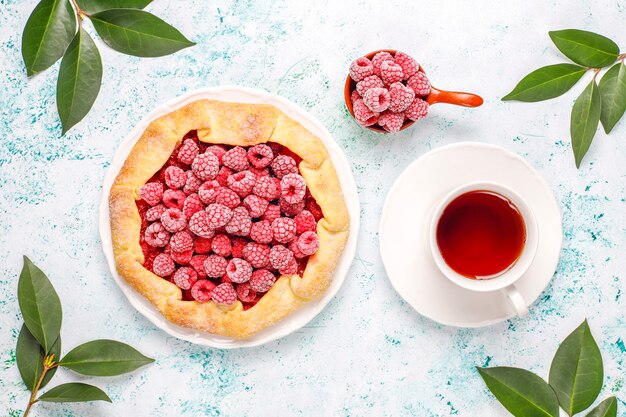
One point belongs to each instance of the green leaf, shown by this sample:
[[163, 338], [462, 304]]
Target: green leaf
[[612, 88], [521, 392], [546, 83], [576, 372], [607, 408], [40, 305], [95, 6], [104, 358], [47, 33], [79, 80], [139, 33], [584, 120], [29, 356], [74, 392], [585, 48]]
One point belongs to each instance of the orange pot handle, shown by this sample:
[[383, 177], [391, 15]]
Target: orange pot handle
[[453, 97]]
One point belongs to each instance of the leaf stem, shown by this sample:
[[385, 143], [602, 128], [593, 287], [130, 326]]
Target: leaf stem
[[81, 14], [48, 363]]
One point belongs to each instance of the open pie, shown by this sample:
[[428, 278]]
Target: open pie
[[227, 217]]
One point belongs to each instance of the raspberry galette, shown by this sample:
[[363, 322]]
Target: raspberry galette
[[228, 217]]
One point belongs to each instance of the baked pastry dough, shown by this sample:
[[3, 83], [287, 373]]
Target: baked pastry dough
[[232, 124]]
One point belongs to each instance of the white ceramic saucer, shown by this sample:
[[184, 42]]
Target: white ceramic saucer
[[404, 232], [299, 318]]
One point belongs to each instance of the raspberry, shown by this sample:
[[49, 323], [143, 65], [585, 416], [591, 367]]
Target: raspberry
[[390, 72], [377, 99], [154, 213], [239, 270], [208, 191], [368, 82], [185, 277], [224, 294], [227, 197], [173, 220], [409, 65], [242, 182], [218, 215], [256, 205], [202, 290], [202, 245], [354, 96], [188, 151], [260, 172], [193, 183], [401, 97], [293, 247], [361, 68], [284, 229], [151, 193], [417, 109], [271, 213], [312, 206], [156, 235], [163, 265], [390, 121], [200, 224], [240, 222], [308, 243], [267, 188], [260, 156], [226, 279], [205, 166], [419, 84], [363, 115], [192, 205], [182, 258], [283, 165], [175, 177], [290, 269], [181, 242], [236, 159], [197, 263], [221, 245], [218, 151], [293, 188], [275, 147], [222, 176], [289, 209], [245, 293], [238, 244], [261, 232], [305, 222], [280, 257], [215, 266], [262, 280], [378, 60], [257, 254], [174, 199]]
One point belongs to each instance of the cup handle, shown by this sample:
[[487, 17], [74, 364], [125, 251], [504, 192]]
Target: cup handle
[[519, 304]]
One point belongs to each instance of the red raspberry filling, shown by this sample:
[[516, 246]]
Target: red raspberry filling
[[224, 222]]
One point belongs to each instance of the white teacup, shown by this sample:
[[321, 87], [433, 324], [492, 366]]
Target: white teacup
[[505, 280]]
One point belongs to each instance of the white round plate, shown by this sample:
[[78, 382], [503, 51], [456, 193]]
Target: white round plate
[[404, 232], [296, 320]]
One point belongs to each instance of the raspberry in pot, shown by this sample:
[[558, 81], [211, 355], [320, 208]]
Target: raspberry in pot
[[182, 258], [401, 97], [280, 257], [419, 84], [361, 68], [289, 209], [260, 156], [242, 183], [290, 269], [236, 159], [308, 243], [262, 280], [377, 99], [173, 220], [221, 245], [283, 165], [261, 232], [192, 205], [205, 166], [245, 293], [185, 277], [257, 254], [218, 216], [224, 294], [219, 152], [305, 222], [363, 115], [163, 265], [267, 188], [378, 60], [202, 290], [197, 263], [240, 222], [239, 270], [156, 235], [193, 183], [238, 244], [174, 198], [293, 188], [202, 245], [215, 266], [175, 177], [354, 96], [151, 193], [208, 191], [367, 83], [188, 151], [227, 197], [391, 122], [417, 110], [390, 72], [256, 205], [154, 213], [181, 242], [408, 64]]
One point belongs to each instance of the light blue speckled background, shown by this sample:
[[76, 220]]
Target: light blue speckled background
[[368, 353]]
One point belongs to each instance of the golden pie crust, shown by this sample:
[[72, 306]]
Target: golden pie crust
[[228, 123]]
